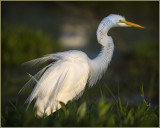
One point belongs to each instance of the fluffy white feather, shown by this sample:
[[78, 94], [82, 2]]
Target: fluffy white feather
[[57, 83]]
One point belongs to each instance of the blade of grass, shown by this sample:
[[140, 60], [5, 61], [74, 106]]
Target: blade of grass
[[101, 92], [111, 93]]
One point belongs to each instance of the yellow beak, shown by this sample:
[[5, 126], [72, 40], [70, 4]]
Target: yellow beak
[[131, 24]]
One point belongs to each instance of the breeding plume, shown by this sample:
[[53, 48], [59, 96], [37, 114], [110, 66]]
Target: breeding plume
[[68, 73]]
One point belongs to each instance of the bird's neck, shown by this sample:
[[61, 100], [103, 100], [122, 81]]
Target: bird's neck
[[100, 63], [102, 31]]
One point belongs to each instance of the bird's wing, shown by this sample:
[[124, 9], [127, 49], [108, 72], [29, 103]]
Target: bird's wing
[[37, 62], [61, 81]]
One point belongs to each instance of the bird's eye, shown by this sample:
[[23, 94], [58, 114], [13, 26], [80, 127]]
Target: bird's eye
[[120, 21]]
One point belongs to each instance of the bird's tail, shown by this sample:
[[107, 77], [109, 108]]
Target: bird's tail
[[47, 88]]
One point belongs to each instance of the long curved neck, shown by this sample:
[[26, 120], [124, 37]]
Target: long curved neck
[[100, 63]]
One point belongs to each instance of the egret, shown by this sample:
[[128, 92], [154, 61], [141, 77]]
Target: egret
[[68, 73]]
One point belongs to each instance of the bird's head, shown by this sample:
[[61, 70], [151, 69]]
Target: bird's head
[[119, 21]]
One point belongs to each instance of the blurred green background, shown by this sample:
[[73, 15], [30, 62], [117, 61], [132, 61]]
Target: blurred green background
[[33, 29]]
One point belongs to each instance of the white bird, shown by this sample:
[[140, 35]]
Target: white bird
[[65, 78]]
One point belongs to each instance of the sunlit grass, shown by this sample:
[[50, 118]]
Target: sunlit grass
[[101, 113]]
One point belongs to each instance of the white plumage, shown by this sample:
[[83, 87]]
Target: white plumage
[[65, 78]]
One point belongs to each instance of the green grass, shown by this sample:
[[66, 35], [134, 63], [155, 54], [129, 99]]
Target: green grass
[[100, 113]]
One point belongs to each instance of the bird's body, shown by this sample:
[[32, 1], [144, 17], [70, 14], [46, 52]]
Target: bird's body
[[54, 85], [66, 78]]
